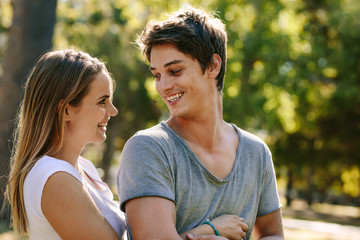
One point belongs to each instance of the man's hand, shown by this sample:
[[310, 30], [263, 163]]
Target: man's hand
[[231, 226]]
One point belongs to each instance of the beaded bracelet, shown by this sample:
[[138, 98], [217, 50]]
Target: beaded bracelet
[[207, 221]]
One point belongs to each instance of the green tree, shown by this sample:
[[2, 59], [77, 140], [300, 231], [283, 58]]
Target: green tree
[[292, 76], [30, 35], [107, 31]]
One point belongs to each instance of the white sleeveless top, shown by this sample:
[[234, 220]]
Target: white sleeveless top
[[38, 226]]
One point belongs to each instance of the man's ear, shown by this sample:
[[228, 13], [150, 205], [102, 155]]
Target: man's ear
[[66, 113], [215, 66]]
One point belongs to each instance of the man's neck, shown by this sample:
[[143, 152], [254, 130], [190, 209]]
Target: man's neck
[[205, 129], [205, 133], [211, 139]]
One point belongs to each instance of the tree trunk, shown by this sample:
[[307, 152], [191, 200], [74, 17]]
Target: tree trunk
[[289, 187], [30, 35], [309, 195]]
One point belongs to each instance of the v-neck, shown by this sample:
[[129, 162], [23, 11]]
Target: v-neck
[[236, 161], [88, 177]]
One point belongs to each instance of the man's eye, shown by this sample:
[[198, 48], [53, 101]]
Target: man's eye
[[157, 77], [174, 72], [102, 101]]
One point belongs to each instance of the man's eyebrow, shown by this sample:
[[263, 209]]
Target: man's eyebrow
[[167, 64]]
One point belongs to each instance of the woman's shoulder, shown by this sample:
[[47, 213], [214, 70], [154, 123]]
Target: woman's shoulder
[[47, 166], [47, 161], [38, 177]]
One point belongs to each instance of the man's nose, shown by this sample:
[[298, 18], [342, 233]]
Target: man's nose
[[165, 83]]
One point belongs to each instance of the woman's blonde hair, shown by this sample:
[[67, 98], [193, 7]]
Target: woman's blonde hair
[[58, 78]]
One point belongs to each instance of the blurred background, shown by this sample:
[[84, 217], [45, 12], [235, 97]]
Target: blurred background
[[293, 79]]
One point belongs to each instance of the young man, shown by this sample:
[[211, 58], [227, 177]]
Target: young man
[[195, 166]]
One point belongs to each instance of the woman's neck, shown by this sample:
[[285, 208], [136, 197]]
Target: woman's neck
[[68, 154]]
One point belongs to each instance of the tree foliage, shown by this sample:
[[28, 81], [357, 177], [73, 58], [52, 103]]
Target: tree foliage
[[292, 78], [28, 36]]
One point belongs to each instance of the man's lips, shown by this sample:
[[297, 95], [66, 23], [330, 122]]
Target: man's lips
[[174, 97]]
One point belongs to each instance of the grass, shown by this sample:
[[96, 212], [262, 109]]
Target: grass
[[296, 234], [344, 215]]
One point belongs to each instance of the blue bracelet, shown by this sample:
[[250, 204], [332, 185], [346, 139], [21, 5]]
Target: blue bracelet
[[207, 221]]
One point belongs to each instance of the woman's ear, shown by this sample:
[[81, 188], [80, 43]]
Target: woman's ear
[[66, 113], [215, 66]]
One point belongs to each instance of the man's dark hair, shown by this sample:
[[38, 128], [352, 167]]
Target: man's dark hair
[[193, 32]]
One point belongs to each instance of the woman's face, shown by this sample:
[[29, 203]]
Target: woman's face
[[87, 122]]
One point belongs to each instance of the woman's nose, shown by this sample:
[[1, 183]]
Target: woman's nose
[[113, 111]]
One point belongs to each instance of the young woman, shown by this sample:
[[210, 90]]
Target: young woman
[[55, 193]]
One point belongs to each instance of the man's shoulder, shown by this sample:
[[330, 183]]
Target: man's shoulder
[[159, 133], [155, 130], [248, 137]]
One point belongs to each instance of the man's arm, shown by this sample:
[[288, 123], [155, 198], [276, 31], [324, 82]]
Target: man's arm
[[155, 218], [269, 226], [152, 218]]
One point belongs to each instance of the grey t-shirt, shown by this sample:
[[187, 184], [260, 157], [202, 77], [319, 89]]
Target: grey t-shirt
[[157, 162]]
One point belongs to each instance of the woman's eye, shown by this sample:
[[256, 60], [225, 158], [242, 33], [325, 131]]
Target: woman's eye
[[102, 101]]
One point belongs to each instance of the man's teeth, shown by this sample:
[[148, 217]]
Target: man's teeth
[[102, 125], [174, 97]]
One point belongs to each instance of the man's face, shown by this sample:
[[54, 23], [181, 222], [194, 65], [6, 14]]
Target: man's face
[[180, 81]]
